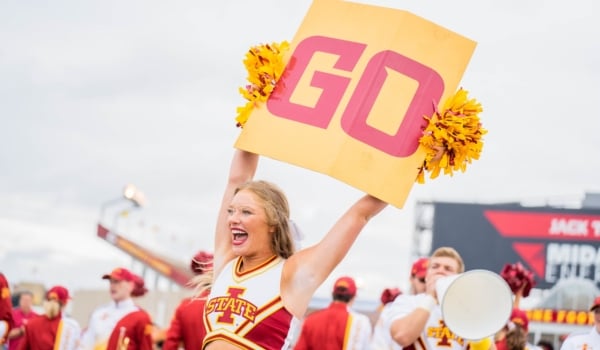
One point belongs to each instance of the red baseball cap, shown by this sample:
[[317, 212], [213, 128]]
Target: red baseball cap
[[345, 285], [201, 262], [389, 294], [120, 274], [58, 293], [419, 268], [519, 317], [596, 304]]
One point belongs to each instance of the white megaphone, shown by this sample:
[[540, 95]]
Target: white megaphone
[[475, 304]]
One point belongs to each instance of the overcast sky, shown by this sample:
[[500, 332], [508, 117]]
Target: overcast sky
[[98, 94]]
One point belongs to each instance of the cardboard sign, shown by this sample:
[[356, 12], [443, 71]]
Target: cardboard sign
[[358, 81]]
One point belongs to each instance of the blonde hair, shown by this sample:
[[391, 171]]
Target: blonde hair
[[516, 338], [202, 284], [277, 211], [449, 252]]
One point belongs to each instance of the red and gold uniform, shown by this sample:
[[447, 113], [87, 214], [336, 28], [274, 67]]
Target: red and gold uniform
[[187, 326], [103, 322], [245, 309], [435, 335], [53, 330], [20, 319], [335, 328], [43, 333], [40, 333], [6, 320], [132, 332], [587, 341]]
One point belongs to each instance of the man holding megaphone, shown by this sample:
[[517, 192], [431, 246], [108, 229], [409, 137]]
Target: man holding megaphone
[[416, 322]]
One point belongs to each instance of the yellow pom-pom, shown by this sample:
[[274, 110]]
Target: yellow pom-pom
[[482, 344], [453, 138], [265, 66]]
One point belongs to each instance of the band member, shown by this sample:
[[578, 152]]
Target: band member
[[6, 319], [53, 329], [589, 340], [120, 324], [416, 320], [187, 325], [336, 327], [21, 315]]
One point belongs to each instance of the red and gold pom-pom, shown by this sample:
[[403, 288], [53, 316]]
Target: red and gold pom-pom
[[265, 66], [453, 137], [519, 279]]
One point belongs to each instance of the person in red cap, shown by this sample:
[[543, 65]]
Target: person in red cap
[[415, 321], [120, 324], [6, 318], [337, 326], [53, 329], [589, 340], [388, 295], [514, 335], [417, 275], [186, 329], [418, 270]]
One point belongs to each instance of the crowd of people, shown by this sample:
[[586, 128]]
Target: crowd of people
[[254, 291], [121, 324], [409, 320]]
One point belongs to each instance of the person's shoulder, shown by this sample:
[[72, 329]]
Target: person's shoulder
[[400, 306], [407, 298], [360, 318], [574, 338], [359, 315], [36, 320], [142, 315], [192, 305], [104, 306], [3, 280], [318, 314], [577, 335], [71, 322]]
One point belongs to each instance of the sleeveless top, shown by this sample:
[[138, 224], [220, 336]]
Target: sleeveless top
[[245, 309]]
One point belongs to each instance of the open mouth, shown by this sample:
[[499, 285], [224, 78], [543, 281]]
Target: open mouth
[[239, 236]]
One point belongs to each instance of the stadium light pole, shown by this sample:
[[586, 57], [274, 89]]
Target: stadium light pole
[[131, 194]]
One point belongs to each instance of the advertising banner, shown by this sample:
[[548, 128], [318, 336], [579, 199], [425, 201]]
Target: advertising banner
[[553, 243]]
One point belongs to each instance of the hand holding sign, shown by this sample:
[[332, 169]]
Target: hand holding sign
[[354, 96]]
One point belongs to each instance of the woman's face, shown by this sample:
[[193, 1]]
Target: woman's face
[[120, 290], [250, 233]]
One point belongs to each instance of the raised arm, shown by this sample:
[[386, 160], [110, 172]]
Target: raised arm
[[242, 169], [308, 268]]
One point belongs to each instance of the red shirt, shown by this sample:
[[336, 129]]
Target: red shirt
[[135, 328], [20, 319], [324, 329], [501, 344], [40, 333], [187, 326], [5, 307]]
